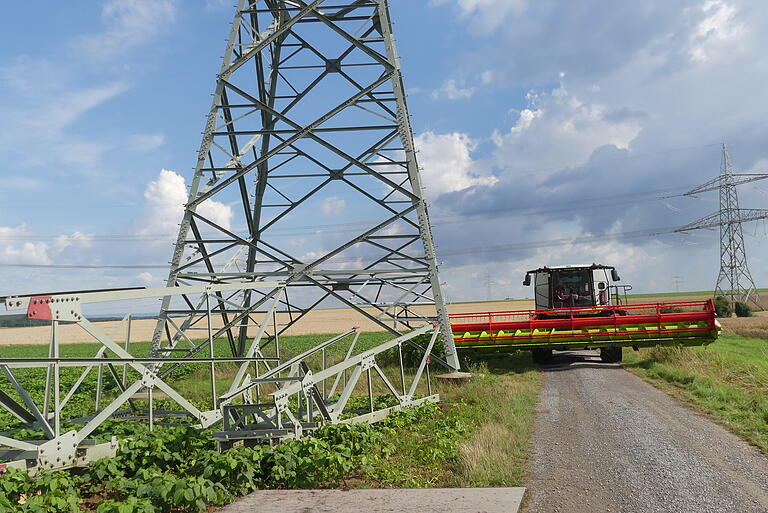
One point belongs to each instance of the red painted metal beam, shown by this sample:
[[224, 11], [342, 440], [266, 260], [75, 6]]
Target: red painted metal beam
[[580, 318]]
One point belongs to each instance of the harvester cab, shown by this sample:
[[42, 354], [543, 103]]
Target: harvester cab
[[575, 309], [572, 286]]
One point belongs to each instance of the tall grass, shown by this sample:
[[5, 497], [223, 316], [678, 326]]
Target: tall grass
[[482, 437], [497, 452], [503, 405]]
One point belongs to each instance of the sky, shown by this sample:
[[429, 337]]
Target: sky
[[547, 131]]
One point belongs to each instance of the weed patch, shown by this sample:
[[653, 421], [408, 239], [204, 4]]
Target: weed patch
[[478, 437]]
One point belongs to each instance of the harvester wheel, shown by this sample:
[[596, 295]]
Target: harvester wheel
[[541, 356], [611, 354]]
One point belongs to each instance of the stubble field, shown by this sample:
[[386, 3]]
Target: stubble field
[[338, 320]]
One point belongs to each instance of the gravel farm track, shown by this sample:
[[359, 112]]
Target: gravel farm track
[[606, 441]]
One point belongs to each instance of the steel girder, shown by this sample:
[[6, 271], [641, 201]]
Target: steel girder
[[308, 115]]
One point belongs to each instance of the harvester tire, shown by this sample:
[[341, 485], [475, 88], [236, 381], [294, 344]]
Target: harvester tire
[[611, 354], [541, 356]]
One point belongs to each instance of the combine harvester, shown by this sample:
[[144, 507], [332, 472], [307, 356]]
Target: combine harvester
[[575, 309]]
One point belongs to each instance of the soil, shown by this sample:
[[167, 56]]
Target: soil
[[606, 441]]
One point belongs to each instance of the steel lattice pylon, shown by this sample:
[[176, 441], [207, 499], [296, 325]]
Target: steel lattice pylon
[[308, 114], [734, 280]]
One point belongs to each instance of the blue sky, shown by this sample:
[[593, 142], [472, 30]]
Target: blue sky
[[536, 121]]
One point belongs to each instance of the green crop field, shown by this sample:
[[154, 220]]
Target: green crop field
[[477, 436], [728, 380]]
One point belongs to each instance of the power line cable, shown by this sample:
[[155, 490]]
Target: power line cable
[[457, 251], [447, 220]]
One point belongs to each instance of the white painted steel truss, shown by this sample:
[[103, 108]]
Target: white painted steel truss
[[268, 398]]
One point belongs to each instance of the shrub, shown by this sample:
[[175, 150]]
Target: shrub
[[742, 309], [723, 306]]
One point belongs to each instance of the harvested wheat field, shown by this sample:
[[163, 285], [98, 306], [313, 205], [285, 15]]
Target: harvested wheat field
[[324, 321], [337, 320], [755, 326]]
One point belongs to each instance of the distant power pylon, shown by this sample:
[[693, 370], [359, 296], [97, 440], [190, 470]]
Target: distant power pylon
[[734, 280], [677, 280]]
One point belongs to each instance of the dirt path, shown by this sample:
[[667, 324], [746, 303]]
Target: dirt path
[[607, 441]]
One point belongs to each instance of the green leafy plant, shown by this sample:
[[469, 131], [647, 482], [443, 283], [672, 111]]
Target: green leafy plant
[[128, 505]]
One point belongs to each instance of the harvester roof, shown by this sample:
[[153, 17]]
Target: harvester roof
[[560, 267]]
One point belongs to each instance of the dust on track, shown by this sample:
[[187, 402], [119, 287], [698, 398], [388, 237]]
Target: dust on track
[[605, 441]]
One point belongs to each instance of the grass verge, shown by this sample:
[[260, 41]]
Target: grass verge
[[728, 380], [480, 439]]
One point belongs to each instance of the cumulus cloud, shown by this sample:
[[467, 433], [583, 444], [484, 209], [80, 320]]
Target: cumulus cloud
[[446, 162], [453, 90], [486, 16], [165, 198], [18, 245], [642, 267], [147, 279], [76, 239], [15, 250], [129, 23], [643, 105], [488, 76], [560, 130], [719, 28], [332, 206]]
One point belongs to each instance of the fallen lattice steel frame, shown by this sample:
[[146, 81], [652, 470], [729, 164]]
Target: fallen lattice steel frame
[[268, 399]]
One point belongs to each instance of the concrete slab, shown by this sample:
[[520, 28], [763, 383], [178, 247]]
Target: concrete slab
[[422, 500], [457, 378]]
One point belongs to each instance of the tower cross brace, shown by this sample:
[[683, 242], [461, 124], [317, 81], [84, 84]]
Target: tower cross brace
[[309, 120]]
